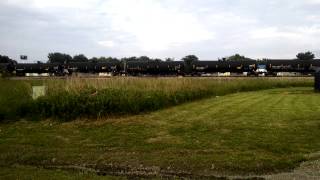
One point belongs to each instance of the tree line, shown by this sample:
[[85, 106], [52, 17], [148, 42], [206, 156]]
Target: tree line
[[58, 57], [6, 59], [66, 58]]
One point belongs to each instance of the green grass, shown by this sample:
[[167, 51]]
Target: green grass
[[243, 133], [77, 98]]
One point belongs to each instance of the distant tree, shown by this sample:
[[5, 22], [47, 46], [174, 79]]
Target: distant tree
[[107, 59], [127, 59], [169, 59], [144, 58], [237, 57], [305, 56], [59, 58], [5, 59], [94, 60], [134, 58], [115, 60], [140, 59], [190, 59], [8, 68], [102, 59], [80, 58]]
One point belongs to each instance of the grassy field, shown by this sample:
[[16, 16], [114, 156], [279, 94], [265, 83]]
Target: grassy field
[[239, 134], [76, 98]]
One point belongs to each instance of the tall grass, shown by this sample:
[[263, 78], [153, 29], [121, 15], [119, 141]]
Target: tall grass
[[169, 84], [73, 98], [12, 95]]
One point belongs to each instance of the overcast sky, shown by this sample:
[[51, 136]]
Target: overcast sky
[[159, 28]]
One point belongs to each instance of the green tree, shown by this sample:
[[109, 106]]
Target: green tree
[[80, 58], [236, 57], [128, 59], [144, 59], [169, 59], [134, 58], [107, 60], [188, 60], [94, 60], [157, 60], [59, 58], [305, 56], [10, 64], [5, 59]]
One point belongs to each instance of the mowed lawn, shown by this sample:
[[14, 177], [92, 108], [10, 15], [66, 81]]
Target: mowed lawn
[[239, 134]]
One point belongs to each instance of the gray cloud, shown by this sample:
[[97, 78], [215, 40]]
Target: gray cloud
[[168, 28]]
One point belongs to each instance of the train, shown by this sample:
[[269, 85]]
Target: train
[[166, 68]]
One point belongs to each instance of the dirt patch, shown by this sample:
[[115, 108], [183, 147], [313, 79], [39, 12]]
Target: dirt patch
[[309, 170], [144, 172]]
